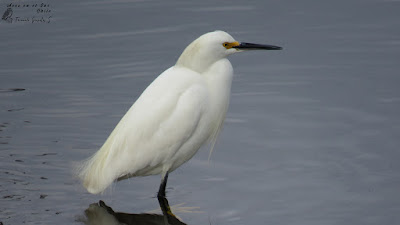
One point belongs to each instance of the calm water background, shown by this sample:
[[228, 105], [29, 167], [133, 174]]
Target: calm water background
[[312, 135]]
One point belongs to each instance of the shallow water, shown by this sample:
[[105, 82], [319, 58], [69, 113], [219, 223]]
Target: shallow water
[[311, 136]]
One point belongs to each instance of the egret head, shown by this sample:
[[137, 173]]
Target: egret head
[[213, 46]]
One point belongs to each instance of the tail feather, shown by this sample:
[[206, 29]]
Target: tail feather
[[94, 173]]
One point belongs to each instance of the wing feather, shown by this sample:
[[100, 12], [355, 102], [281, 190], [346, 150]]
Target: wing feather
[[151, 132]]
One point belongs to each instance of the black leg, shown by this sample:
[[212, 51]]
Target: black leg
[[164, 205], [163, 185], [166, 210]]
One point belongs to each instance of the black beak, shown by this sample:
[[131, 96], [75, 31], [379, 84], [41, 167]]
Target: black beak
[[250, 46]]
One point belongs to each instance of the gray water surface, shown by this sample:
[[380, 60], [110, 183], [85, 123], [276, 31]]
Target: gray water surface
[[311, 136]]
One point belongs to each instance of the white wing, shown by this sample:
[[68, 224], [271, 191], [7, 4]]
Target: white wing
[[151, 132]]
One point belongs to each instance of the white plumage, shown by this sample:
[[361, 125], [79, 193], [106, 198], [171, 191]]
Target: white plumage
[[180, 111]]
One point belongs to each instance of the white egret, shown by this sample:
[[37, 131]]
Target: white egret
[[181, 110]]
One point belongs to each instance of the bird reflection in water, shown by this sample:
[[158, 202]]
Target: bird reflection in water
[[100, 213]]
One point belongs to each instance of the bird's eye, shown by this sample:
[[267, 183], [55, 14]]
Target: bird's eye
[[226, 44]]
